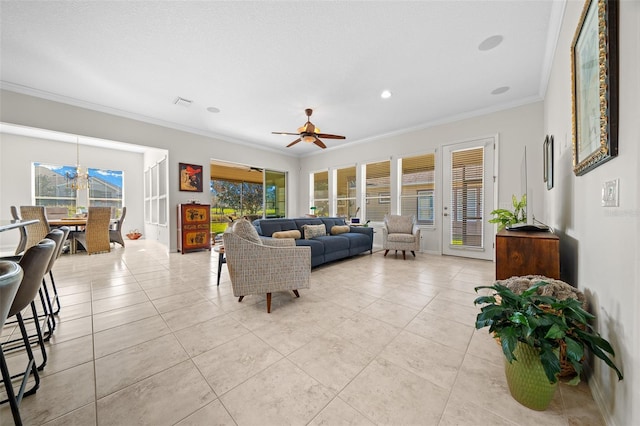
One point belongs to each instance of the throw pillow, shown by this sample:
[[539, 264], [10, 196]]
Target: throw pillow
[[337, 229], [312, 231], [287, 234], [245, 230]]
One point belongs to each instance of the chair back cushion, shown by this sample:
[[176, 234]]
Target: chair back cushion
[[245, 230], [399, 224]]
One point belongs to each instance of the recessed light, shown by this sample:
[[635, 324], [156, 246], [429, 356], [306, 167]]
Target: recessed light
[[500, 90], [213, 110], [491, 42], [386, 94]]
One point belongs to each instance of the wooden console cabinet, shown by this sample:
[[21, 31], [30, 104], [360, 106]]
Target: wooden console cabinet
[[527, 253], [194, 227]]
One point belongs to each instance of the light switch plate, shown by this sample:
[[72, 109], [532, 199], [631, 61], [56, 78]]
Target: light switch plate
[[610, 195]]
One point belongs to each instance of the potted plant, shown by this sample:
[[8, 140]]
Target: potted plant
[[531, 329], [504, 217]]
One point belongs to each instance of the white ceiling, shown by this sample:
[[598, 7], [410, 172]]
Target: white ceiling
[[262, 63]]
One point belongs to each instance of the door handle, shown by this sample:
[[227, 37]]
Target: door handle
[[446, 214]]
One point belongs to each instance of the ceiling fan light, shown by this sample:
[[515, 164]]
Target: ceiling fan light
[[308, 138]]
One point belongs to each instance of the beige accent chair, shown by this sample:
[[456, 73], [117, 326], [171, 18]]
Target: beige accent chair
[[400, 233], [95, 238], [259, 266]]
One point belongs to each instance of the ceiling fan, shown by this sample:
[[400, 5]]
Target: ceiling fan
[[308, 132]]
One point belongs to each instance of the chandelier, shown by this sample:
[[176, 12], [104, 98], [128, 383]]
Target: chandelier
[[80, 178]]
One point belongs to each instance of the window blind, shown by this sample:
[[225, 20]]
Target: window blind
[[467, 195], [418, 188]]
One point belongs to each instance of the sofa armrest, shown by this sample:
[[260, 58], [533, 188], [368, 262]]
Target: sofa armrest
[[362, 230]]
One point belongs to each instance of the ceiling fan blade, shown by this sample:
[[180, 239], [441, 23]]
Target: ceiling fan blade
[[294, 142], [328, 136], [283, 133], [319, 143]]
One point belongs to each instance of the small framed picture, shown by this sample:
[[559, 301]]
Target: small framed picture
[[190, 177]]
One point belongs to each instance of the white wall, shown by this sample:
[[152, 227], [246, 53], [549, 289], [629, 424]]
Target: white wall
[[182, 146], [18, 152], [599, 245], [516, 128]]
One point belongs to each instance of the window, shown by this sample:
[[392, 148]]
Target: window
[[346, 192], [378, 190], [467, 185], [417, 188], [321, 193], [51, 189], [155, 193]]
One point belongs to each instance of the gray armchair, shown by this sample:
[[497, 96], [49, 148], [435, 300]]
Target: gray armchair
[[400, 233], [259, 266]]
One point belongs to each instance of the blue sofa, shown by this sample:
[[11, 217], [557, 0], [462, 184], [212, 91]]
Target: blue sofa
[[325, 248]]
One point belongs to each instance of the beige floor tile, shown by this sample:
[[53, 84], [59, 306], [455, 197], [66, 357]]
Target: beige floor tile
[[123, 316], [339, 412], [177, 301], [61, 393], [213, 413], [162, 399], [449, 333], [73, 311], [125, 336], [209, 334], [390, 312], [287, 336], [332, 360], [72, 329], [116, 290], [292, 397], [84, 416], [428, 359], [366, 332], [67, 354], [410, 299], [116, 302], [230, 364], [390, 395], [121, 369], [460, 412], [453, 311], [192, 315]]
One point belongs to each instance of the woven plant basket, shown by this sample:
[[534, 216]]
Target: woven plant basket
[[558, 289]]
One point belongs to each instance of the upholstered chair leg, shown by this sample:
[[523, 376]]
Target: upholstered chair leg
[[240, 299], [413, 253], [404, 255], [268, 303], [296, 293], [385, 252]]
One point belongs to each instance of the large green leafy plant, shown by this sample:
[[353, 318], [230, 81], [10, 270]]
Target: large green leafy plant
[[544, 323], [504, 217]]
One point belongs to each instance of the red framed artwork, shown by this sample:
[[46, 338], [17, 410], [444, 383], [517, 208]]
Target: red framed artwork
[[190, 177]]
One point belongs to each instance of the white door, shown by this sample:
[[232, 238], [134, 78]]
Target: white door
[[468, 199]]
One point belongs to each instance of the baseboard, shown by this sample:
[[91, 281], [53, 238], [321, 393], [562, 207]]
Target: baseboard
[[598, 397]]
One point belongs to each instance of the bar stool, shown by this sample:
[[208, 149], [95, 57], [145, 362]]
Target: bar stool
[[34, 263], [10, 278]]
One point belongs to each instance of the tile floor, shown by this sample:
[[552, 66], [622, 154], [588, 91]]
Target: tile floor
[[146, 337]]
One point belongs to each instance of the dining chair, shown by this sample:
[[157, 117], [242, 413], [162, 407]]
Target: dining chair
[[95, 237], [10, 278], [37, 231], [34, 263], [115, 235]]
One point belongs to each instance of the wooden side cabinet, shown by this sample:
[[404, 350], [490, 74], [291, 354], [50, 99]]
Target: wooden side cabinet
[[527, 253], [194, 227]]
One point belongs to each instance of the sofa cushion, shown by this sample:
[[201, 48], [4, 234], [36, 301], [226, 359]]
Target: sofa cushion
[[333, 243], [399, 224], [269, 226], [401, 238], [245, 230], [294, 233], [330, 222], [339, 229], [312, 231]]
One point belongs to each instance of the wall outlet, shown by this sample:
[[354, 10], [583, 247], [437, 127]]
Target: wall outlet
[[610, 194]]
